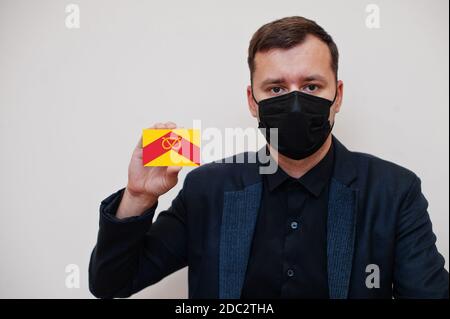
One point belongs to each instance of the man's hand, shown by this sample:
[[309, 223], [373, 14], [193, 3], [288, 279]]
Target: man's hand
[[146, 184]]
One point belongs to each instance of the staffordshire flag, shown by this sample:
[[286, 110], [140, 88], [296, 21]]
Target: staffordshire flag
[[171, 147]]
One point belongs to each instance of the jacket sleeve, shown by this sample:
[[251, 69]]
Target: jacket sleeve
[[419, 268], [133, 253]]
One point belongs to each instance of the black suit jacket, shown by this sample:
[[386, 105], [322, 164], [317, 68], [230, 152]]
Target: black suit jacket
[[377, 219]]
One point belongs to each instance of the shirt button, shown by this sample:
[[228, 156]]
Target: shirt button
[[294, 225], [290, 273]]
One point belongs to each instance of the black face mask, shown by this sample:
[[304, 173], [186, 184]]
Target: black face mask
[[301, 120]]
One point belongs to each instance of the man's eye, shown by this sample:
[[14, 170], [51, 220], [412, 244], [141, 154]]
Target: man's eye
[[276, 90], [311, 88]]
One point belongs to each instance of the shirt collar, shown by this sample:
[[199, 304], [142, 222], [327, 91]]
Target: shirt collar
[[315, 180]]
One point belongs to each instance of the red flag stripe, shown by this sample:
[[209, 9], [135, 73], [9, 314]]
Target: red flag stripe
[[155, 149]]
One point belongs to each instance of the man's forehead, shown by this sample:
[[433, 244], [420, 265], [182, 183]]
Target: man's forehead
[[311, 56]]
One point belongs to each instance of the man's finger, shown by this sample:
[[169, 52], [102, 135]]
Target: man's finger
[[171, 125]]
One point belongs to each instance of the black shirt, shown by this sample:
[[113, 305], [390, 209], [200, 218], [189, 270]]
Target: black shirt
[[288, 258]]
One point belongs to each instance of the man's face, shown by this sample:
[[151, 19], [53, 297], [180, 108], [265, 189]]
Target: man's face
[[305, 67]]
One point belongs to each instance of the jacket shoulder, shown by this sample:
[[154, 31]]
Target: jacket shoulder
[[384, 171]]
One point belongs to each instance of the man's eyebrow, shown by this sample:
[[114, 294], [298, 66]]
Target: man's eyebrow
[[312, 77], [272, 81], [315, 77]]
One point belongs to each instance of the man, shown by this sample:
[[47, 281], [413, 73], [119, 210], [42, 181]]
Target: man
[[329, 223]]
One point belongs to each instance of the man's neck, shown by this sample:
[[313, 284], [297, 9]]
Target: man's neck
[[298, 168]]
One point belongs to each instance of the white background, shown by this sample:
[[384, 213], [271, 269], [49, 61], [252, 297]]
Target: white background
[[73, 103]]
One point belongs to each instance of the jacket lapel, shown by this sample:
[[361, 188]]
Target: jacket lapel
[[341, 225], [340, 238], [240, 211]]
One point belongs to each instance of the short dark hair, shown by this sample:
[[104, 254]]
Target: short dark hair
[[286, 33]]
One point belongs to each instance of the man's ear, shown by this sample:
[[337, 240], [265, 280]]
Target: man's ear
[[252, 106], [339, 97]]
